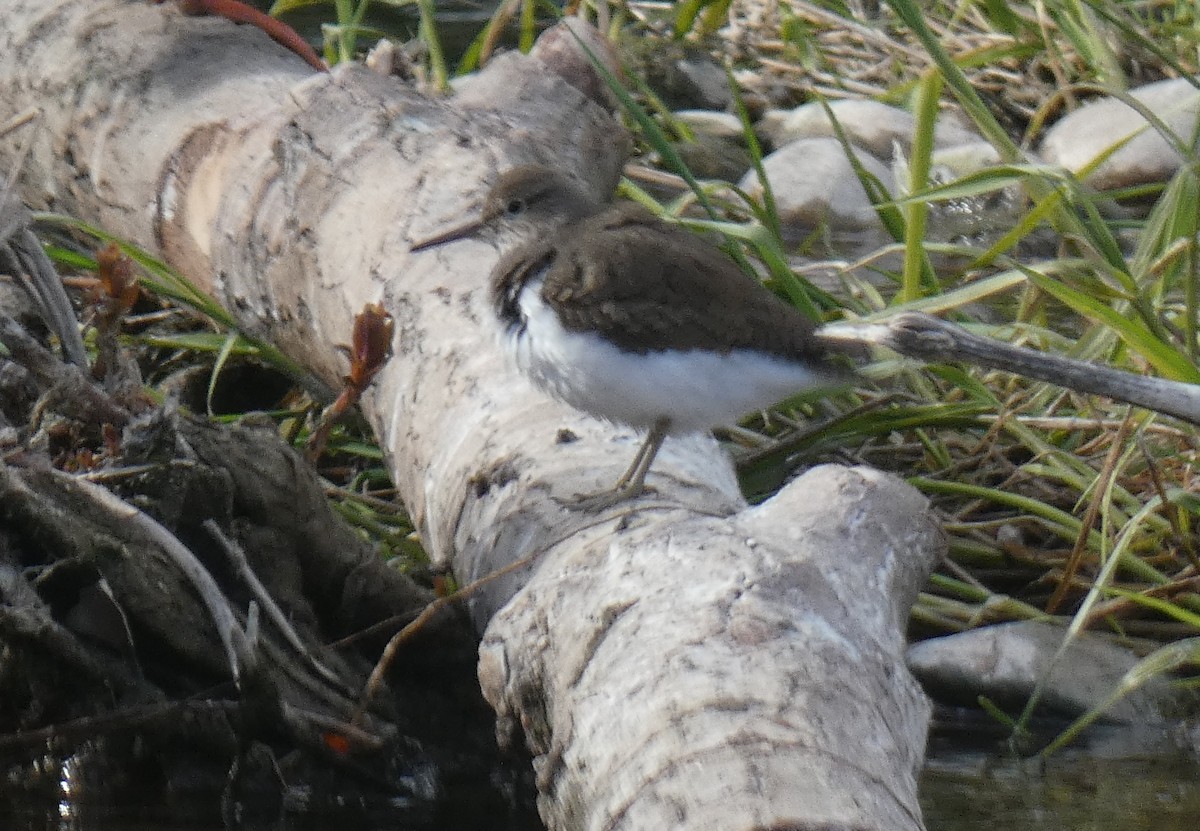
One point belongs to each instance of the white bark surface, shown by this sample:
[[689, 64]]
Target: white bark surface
[[737, 672], [691, 664]]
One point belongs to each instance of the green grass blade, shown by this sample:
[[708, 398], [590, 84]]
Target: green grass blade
[[1162, 661], [917, 270], [219, 364], [1169, 362], [428, 31]]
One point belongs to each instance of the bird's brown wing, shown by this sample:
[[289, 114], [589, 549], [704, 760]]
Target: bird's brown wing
[[647, 286]]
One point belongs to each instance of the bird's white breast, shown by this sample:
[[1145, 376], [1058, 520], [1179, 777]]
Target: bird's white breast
[[696, 389]]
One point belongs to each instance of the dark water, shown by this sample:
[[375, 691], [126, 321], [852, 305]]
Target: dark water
[[1074, 792], [962, 789], [1115, 779], [83, 793]]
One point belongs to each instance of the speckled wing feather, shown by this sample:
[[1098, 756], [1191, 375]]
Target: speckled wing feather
[[646, 285]]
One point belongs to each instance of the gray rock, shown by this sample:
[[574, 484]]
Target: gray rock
[[871, 125], [703, 81], [813, 184], [1079, 138], [961, 159], [712, 123], [1007, 661]]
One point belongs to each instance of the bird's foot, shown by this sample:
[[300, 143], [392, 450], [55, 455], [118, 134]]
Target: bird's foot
[[591, 503]]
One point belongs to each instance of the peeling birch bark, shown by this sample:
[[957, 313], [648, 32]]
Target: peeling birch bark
[[691, 664]]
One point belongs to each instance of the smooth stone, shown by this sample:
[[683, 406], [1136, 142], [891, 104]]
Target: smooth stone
[[1147, 158], [961, 159], [814, 184], [703, 81], [683, 75], [1005, 663], [872, 125], [712, 123]]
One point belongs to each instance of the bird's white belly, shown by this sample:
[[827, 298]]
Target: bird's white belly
[[696, 389]]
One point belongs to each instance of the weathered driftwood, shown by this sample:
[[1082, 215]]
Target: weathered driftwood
[[918, 335], [243, 477], [691, 663], [209, 554]]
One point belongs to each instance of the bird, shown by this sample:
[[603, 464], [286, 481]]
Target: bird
[[635, 320]]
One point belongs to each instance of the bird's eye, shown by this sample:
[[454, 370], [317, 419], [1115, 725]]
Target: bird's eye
[[514, 207]]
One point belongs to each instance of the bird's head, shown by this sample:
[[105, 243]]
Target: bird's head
[[524, 202]]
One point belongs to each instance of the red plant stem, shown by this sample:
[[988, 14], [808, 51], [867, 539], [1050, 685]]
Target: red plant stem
[[239, 12]]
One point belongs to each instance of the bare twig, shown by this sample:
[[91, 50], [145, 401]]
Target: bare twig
[[238, 557], [922, 336], [238, 650]]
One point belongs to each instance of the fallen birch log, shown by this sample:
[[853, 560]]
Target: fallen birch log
[[694, 663]]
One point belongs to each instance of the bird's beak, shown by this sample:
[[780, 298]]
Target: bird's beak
[[451, 232]]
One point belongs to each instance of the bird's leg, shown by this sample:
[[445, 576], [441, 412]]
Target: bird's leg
[[634, 478], [633, 481]]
